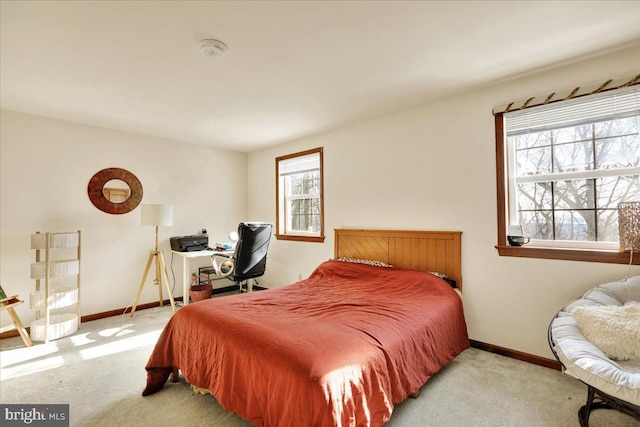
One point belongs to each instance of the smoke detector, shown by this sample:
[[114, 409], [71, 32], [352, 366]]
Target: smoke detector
[[213, 48]]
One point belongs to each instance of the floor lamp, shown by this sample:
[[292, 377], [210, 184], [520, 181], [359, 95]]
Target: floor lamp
[[156, 215]]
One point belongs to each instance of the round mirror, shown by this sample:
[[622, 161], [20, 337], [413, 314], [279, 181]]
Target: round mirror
[[115, 191]]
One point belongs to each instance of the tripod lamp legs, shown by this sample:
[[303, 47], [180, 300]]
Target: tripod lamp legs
[[160, 267]]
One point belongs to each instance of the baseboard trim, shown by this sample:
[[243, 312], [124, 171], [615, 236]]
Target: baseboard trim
[[235, 288], [515, 354], [116, 312], [120, 311], [225, 289], [97, 316]]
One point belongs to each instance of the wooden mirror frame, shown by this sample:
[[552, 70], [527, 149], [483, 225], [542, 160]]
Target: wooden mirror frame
[[97, 197]]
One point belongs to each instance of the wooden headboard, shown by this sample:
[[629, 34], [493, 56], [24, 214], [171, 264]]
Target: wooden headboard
[[417, 250]]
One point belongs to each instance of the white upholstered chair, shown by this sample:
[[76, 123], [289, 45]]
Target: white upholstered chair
[[611, 383]]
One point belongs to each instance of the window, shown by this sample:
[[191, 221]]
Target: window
[[299, 197], [562, 170]]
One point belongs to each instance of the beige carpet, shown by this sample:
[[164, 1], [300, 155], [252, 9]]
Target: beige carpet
[[100, 372]]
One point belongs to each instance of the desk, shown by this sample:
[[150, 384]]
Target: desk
[[186, 256]]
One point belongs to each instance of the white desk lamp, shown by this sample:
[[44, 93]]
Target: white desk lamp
[[233, 236], [156, 215]]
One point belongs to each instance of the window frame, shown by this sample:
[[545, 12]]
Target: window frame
[[530, 250], [301, 237], [593, 176]]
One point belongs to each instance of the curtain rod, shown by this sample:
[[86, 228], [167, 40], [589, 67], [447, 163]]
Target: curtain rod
[[569, 94]]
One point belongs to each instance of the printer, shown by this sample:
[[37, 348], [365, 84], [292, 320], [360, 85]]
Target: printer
[[189, 243]]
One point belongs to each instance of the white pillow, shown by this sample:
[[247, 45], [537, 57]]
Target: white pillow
[[613, 329]]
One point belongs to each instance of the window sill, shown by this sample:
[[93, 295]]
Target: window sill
[[316, 239], [589, 255]]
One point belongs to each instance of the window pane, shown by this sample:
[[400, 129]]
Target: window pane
[[615, 189], [575, 225], [305, 213], [620, 152], [314, 218], [530, 140], [292, 185], [626, 126], [294, 209], [533, 161], [573, 134], [608, 225], [303, 183], [538, 225], [574, 194], [534, 196], [573, 157], [311, 183]]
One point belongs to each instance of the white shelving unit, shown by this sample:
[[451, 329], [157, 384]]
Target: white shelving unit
[[51, 300]]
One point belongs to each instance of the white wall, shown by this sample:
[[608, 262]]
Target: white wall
[[45, 167], [433, 168]]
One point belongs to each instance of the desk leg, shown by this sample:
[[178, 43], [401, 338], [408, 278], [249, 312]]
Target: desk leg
[[185, 281]]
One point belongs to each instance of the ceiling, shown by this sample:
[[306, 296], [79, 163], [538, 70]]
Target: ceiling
[[293, 68]]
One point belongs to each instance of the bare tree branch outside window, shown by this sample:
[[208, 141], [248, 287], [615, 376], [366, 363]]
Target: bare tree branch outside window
[[583, 207]]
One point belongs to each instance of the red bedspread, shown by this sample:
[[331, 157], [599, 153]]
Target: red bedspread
[[338, 349]]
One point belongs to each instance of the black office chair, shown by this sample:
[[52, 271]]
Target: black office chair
[[250, 255]]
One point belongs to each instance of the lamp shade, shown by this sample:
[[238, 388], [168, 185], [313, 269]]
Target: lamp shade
[[629, 226], [157, 215]]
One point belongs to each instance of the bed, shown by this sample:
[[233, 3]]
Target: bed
[[340, 348]]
